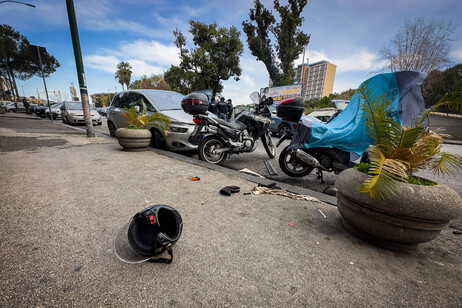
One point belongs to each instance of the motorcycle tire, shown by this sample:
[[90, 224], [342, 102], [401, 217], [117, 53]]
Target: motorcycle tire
[[268, 144], [292, 166], [206, 148]]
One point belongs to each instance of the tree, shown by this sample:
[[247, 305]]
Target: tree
[[216, 58], [438, 84], [183, 81], [153, 82], [15, 54], [422, 45], [123, 73], [279, 58], [347, 94]]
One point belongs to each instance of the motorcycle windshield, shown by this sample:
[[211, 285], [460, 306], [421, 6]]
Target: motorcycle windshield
[[124, 250], [348, 131]]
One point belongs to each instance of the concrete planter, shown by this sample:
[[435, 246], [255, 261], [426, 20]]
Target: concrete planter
[[133, 139], [416, 215]]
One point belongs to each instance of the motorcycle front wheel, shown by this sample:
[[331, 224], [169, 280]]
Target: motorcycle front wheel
[[292, 166], [268, 144], [207, 150]]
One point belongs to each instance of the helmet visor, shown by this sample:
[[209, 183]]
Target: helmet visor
[[124, 251]]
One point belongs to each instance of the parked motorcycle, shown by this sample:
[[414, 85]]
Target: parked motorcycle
[[217, 139], [334, 147]]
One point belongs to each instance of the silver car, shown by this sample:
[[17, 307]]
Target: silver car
[[72, 113], [166, 102]]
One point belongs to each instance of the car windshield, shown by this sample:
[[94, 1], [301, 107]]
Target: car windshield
[[340, 105], [165, 100], [76, 106]]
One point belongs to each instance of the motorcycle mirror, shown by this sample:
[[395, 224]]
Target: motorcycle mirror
[[255, 97]]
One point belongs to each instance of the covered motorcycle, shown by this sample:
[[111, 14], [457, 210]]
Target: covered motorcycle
[[334, 146]]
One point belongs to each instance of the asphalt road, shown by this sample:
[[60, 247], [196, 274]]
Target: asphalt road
[[255, 162]]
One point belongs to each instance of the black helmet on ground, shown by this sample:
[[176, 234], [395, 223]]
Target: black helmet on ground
[[149, 233]]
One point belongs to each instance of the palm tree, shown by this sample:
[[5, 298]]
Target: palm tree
[[123, 73], [400, 151]]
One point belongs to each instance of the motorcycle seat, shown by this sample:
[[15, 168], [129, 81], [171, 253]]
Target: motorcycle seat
[[235, 125]]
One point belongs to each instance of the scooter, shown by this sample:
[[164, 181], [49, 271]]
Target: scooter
[[335, 146], [217, 138]]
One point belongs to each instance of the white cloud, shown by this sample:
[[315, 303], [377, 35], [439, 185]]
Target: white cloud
[[361, 60], [145, 57], [458, 54], [151, 51], [102, 63]]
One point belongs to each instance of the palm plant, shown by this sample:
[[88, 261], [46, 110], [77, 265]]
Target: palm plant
[[123, 73], [400, 151], [137, 120]]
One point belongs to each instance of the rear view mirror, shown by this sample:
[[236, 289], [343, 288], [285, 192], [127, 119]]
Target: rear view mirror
[[137, 108]]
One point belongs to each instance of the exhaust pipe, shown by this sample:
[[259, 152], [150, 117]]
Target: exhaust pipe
[[307, 158]]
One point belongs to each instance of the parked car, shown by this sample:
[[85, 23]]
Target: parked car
[[328, 114], [166, 102], [40, 110], [12, 108], [55, 111], [278, 126], [102, 111], [72, 113]]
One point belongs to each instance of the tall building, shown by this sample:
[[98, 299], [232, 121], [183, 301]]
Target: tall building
[[317, 79]]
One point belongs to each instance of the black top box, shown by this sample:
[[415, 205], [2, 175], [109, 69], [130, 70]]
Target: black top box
[[195, 103], [291, 109]]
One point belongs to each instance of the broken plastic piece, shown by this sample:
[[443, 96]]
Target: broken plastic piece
[[195, 178], [228, 190], [291, 224]]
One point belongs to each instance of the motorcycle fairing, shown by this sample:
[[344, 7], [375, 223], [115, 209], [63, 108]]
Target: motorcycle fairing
[[348, 131]]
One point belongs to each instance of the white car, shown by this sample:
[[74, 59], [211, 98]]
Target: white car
[[72, 113], [55, 111]]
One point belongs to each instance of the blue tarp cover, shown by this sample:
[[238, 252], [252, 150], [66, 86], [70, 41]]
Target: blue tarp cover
[[348, 131]]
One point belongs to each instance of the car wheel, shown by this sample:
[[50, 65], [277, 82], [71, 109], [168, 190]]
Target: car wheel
[[157, 140], [112, 128], [283, 128]]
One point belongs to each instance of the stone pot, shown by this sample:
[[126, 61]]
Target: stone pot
[[133, 139], [417, 213]]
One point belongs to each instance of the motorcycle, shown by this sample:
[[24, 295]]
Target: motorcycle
[[217, 138], [335, 146]]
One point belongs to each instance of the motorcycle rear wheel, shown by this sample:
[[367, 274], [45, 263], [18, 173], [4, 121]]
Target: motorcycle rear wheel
[[268, 144], [207, 147], [292, 166]]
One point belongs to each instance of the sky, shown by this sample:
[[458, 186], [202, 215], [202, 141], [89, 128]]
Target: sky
[[347, 33]]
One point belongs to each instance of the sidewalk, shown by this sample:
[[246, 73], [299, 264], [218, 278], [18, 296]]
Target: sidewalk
[[65, 196]]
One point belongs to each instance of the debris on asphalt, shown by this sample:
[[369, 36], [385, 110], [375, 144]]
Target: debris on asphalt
[[195, 178], [270, 185], [228, 190], [264, 190], [291, 224], [323, 215], [269, 166], [245, 170]]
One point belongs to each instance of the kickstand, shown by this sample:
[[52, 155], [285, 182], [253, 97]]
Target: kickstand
[[319, 174]]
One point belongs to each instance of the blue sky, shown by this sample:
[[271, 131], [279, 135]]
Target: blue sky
[[347, 33]]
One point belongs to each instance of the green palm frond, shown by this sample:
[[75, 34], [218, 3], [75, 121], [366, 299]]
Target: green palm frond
[[443, 103], [377, 108], [447, 163], [383, 175], [139, 120]]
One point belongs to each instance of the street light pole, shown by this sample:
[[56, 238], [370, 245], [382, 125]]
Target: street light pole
[[31, 5], [80, 69]]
